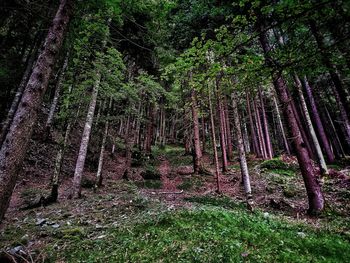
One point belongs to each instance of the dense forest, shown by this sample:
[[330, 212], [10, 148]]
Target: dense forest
[[174, 131]]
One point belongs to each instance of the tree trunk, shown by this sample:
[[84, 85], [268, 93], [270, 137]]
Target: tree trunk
[[222, 129], [99, 177], [313, 189], [343, 115], [266, 128], [318, 122], [301, 128], [255, 142], [79, 167], [203, 135], [213, 138], [16, 142], [261, 139], [228, 131], [58, 164], [321, 161], [150, 128], [279, 120], [241, 152], [341, 149], [57, 95], [15, 102], [197, 144]]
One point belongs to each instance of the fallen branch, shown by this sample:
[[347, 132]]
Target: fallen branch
[[171, 192]]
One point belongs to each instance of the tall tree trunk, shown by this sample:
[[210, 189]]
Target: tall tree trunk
[[16, 142], [321, 161], [245, 137], [341, 149], [15, 102], [197, 143], [301, 128], [344, 116], [266, 128], [318, 122], [203, 135], [279, 120], [221, 128], [56, 96], [313, 189], [228, 130], [241, 152], [99, 177], [252, 129], [215, 150], [58, 164], [261, 139], [79, 167], [150, 128]]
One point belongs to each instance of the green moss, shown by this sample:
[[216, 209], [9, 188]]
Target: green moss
[[289, 191], [277, 164]]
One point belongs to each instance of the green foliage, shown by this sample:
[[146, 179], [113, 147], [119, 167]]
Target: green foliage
[[276, 163]]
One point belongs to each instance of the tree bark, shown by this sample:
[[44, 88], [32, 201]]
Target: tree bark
[[252, 129], [241, 152], [99, 177], [261, 139], [279, 120], [266, 128], [321, 161], [16, 142], [228, 131], [16, 100], [222, 129], [213, 137], [203, 135], [313, 189], [318, 122], [150, 128], [79, 167], [57, 95], [197, 144]]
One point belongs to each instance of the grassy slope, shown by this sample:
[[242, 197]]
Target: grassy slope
[[210, 234]]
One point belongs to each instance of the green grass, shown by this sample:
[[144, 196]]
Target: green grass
[[208, 235], [174, 154]]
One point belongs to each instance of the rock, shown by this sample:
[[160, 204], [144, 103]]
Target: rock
[[40, 221], [25, 239], [55, 225], [16, 250], [266, 215], [301, 234]]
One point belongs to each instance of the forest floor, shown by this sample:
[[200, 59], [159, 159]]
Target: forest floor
[[175, 216]]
